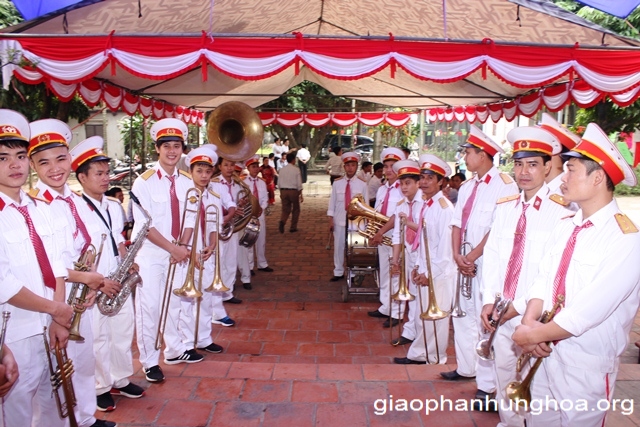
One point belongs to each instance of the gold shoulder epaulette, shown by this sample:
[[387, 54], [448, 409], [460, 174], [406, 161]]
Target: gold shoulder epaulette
[[338, 179], [187, 174], [216, 179], [626, 225], [147, 174], [400, 202], [559, 199], [40, 199], [507, 199], [77, 193], [214, 193], [33, 193], [443, 203], [506, 178]]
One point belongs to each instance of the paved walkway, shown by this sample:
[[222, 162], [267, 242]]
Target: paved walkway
[[298, 356]]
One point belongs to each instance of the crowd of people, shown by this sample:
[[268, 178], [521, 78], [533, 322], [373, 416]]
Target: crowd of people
[[492, 254]]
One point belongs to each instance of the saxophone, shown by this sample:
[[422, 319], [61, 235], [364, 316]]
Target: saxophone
[[111, 306]]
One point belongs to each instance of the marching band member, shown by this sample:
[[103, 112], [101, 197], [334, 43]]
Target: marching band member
[[161, 191], [342, 191], [259, 190], [438, 212], [201, 162], [471, 223], [568, 140], [50, 158], [411, 208], [32, 273], [592, 261], [387, 199], [523, 224], [229, 248], [112, 335]]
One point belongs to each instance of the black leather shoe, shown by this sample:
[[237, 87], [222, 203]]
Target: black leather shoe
[[293, 230], [281, 227], [266, 269], [407, 361], [393, 323], [103, 423], [253, 273], [234, 300], [485, 402], [336, 278], [247, 286], [453, 376], [377, 313], [401, 341]]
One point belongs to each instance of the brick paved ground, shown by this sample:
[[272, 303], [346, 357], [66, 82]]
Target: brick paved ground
[[299, 356]]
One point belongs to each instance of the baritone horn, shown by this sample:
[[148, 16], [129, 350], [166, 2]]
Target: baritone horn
[[358, 211], [61, 378], [188, 289], [520, 392]]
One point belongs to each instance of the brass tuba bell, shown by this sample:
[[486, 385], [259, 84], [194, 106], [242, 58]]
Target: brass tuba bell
[[359, 211], [236, 130]]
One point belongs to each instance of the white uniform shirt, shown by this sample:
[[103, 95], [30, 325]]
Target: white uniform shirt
[[19, 265], [416, 212], [437, 215], [225, 200], [542, 216], [395, 195], [261, 187], [492, 188], [152, 189], [364, 176], [338, 192], [303, 155], [602, 289], [555, 183], [109, 210]]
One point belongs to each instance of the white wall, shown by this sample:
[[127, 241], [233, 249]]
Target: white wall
[[114, 146]]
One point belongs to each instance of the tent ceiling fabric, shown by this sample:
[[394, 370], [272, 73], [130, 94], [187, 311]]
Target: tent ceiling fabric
[[409, 69]]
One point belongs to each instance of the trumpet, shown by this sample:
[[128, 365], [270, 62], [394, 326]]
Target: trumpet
[[188, 289], [465, 282], [3, 332], [520, 392], [61, 377], [484, 348], [524, 358], [85, 263], [358, 212]]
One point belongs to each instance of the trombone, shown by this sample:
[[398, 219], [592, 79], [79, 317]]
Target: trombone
[[403, 293], [520, 392], [61, 377], [484, 348], [188, 289], [433, 312], [216, 285]]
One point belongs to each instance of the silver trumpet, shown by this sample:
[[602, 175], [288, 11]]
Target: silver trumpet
[[484, 348], [3, 332], [464, 282]]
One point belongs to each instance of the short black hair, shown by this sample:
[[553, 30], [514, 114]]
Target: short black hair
[[480, 150], [336, 149], [113, 191], [592, 166], [416, 178], [365, 164], [84, 168], [194, 164], [14, 143], [378, 166], [291, 157], [271, 155], [460, 175], [166, 139]]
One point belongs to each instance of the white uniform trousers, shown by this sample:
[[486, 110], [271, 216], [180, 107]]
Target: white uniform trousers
[[84, 370], [148, 303], [174, 338], [338, 249], [187, 322], [387, 288], [229, 267], [506, 354], [30, 401], [113, 336], [440, 333], [467, 332], [260, 248], [558, 382]]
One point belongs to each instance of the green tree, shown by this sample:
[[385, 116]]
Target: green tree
[[134, 131]]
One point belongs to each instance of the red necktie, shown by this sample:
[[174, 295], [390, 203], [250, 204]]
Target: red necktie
[[385, 203], [255, 187], [79, 224], [347, 195], [517, 256], [41, 254], [416, 239], [466, 210], [175, 209], [203, 224], [229, 185], [410, 235], [561, 274]]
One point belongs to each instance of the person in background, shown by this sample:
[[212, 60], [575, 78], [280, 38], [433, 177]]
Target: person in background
[[366, 171], [117, 194], [454, 185], [568, 141], [375, 182], [303, 157], [290, 194], [269, 175], [334, 166], [278, 151]]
